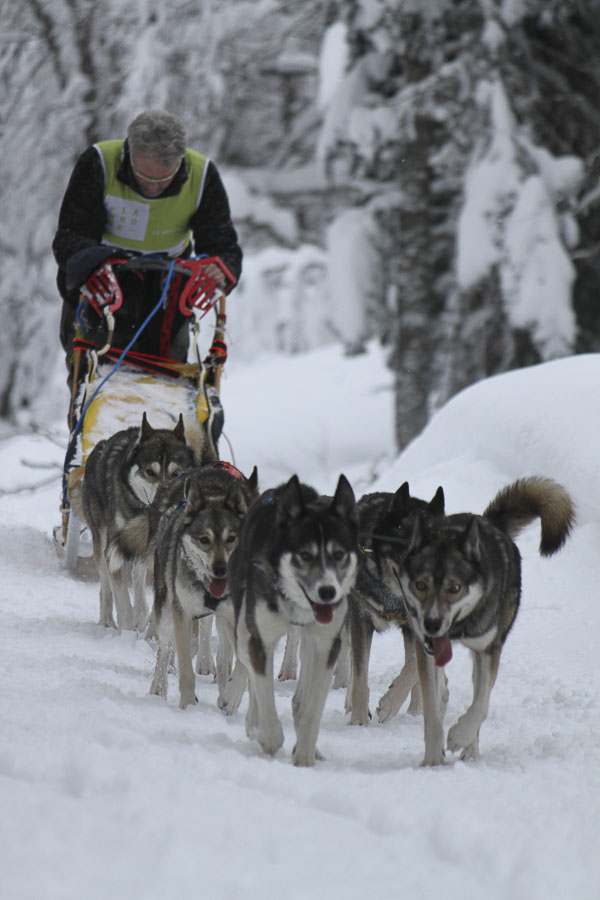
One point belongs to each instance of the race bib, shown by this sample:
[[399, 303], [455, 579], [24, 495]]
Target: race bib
[[126, 218]]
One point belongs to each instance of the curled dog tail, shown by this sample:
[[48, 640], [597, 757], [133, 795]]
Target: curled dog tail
[[527, 499]]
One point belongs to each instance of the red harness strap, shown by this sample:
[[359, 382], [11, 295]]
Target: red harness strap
[[148, 363], [228, 467]]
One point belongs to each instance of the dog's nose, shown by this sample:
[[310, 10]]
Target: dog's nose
[[432, 626], [327, 592], [219, 570]]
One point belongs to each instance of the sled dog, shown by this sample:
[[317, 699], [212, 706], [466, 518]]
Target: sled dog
[[464, 584], [386, 523], [121, 477], [194, 528], [295, 565]]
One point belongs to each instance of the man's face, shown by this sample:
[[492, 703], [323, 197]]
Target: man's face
[[152, 177]]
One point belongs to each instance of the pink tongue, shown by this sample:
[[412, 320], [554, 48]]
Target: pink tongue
[[218, 586], [442, 650], [323, 613]]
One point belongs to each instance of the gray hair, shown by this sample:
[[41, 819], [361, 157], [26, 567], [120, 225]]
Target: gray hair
[[157, 135]]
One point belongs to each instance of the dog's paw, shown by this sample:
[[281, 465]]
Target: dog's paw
[[288, 672], [228, 706], [433, 758], [203, 668], [463, 735], [158, 690], [231, 697], [303, 759], [386, 707], [359, 717], [471, 752], [270, 741], [187, 699]]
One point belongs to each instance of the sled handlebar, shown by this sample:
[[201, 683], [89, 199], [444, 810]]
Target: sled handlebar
[[200, 292]]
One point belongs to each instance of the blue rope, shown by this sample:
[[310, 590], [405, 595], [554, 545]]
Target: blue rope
[[115, 368], [78, 318]]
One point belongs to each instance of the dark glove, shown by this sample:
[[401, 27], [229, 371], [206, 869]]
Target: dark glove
[[81, 264]]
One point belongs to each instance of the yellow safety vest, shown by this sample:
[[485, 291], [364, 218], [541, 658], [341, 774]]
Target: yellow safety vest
[[158, 225]]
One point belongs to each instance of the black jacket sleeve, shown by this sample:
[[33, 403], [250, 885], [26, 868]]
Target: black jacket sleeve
[[212, 228], [82, 216]]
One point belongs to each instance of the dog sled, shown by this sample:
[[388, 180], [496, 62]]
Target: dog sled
[[113, 387]]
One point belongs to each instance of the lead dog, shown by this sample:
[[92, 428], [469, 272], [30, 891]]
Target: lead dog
[[464, 584], [295, 565]]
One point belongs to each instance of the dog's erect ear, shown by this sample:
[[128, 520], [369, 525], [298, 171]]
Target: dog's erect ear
[[344, 501], [472, 541], [416, 538], [179, 430], [400, 501], [252, 482], [194, 499], [437, 504], [146, 430], [235, 501], [291, 502]]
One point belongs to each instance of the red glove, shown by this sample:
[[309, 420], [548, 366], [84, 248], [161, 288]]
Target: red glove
[[102, 290]]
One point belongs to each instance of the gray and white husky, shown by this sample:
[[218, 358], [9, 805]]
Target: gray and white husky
[[122, 475], [463, 583], [295, 565], [386, 523], [194, 528]]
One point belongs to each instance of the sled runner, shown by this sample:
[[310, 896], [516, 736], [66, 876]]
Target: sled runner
[[113, 387]]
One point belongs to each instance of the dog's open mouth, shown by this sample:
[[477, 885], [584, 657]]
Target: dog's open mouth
[[217, 586], [440, 648], [323, 612]]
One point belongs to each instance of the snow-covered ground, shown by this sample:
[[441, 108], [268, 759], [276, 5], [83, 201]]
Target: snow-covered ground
[[108, 792]]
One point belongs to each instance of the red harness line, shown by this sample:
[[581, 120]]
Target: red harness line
[[147, 362], [229, 467]]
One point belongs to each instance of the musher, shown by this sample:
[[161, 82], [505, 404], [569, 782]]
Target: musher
[[148, 193]]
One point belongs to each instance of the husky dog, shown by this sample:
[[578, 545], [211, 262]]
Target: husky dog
[[121, 477], [295, 565], [464, 584], [386, 523], [194, 528]]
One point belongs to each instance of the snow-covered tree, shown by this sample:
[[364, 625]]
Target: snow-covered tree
[[475, 119], [423, 172]]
